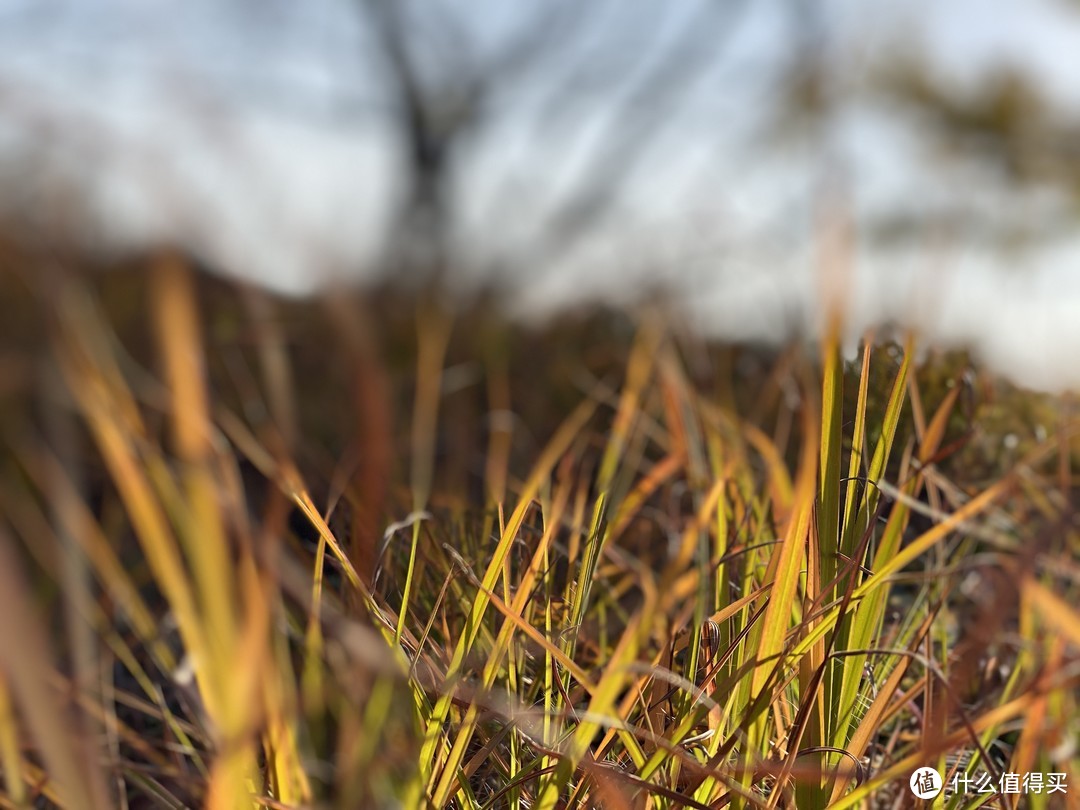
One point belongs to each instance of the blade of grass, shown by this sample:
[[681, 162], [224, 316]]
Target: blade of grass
[[432, 755], [433, 326], [857, 630], [24, 664], [11, 760]]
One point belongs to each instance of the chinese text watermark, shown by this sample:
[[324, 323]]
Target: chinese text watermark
[[926, 783]]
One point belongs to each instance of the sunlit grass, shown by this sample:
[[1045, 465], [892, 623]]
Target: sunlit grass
[[334, 557]]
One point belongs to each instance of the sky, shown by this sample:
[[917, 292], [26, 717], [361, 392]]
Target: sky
[[261, 136]]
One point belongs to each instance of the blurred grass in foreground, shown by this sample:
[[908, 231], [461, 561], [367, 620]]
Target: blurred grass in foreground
[[364, 553]]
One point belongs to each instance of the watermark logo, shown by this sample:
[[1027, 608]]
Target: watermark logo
[[926, 783]]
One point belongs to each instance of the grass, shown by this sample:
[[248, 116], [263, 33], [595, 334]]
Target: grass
[[354, 553]]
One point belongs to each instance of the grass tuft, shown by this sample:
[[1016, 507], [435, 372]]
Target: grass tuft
[[259, 553]]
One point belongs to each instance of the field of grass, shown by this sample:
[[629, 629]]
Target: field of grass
[[366, 552]]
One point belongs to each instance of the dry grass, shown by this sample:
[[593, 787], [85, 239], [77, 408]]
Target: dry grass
[[369, 554]]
